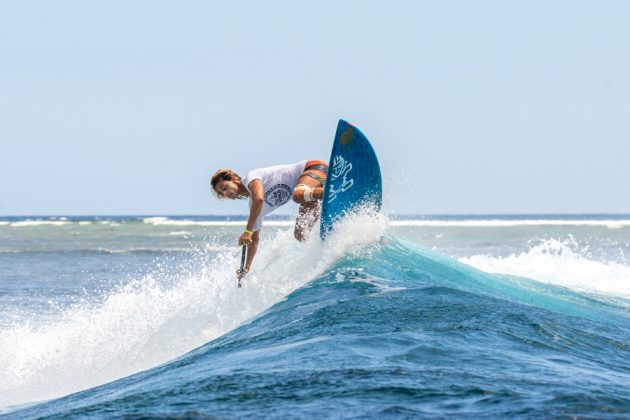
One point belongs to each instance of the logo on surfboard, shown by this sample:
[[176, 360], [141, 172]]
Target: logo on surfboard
[[340, 171]]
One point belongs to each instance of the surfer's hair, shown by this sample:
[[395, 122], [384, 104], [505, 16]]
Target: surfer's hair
[[222, 175]]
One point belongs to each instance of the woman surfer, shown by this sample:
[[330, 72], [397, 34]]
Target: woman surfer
[[270, 188]]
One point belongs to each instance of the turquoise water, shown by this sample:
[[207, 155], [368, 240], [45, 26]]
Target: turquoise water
[[432, 317]]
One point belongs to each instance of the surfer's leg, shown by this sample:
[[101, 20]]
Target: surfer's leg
[[308, 214], [307, 190], [310, 185]]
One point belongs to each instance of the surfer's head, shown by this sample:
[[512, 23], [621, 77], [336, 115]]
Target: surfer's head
[[226, 184]]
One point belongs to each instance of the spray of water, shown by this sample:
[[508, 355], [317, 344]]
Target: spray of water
[[153, 319]]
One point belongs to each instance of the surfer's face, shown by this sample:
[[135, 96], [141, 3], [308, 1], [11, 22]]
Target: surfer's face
[[227, 189]]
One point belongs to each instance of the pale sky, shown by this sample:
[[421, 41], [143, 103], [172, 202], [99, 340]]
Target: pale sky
[[127, 107]]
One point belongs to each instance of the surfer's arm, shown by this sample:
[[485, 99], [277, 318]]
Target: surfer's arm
[[256, 191], [251, 250]]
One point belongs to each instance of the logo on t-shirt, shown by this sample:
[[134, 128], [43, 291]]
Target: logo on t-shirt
[[278, 195]]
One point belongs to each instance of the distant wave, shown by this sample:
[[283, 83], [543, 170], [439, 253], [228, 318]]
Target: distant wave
[[560, 263], [163, 221], [29, 223], [37, 223], [611, 224], [99, 250]]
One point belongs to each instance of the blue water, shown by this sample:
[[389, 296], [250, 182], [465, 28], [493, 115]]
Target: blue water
[[388, 327]]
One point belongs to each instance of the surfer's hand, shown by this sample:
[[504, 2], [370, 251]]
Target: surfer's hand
[[241, 273], [245, 239]]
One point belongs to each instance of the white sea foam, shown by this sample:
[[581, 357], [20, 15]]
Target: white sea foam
[[154, 220], [143, 249], [109, 223], [30, 223], [180, 233], [163, 221], [560, 263], [154, 319]]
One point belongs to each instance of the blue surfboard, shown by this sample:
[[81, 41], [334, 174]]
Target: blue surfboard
[[354, 177]]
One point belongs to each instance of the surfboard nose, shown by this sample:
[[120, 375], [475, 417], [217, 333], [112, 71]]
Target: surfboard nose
[[355, 176]]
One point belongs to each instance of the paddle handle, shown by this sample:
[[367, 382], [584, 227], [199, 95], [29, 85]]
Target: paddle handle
[[243, 258]]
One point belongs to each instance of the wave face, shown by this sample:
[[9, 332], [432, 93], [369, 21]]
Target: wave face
[[379, 326]]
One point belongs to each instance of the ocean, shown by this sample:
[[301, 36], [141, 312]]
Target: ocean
[[395, 317]]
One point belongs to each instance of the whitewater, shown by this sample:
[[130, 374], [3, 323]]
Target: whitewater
[[399, 316]]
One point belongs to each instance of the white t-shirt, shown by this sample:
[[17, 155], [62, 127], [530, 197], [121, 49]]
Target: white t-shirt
[[278, 185]]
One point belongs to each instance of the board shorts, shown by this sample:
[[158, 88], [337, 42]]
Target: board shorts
[[317, 170]]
